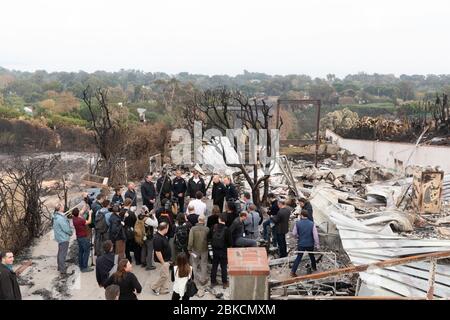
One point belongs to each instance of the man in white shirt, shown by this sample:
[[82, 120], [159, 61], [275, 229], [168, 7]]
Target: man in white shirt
[[198, 204]]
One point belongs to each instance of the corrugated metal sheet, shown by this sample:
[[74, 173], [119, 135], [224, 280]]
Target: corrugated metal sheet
[[367, 244], [446, 188]]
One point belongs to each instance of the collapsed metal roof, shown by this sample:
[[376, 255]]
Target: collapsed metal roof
[[367, 244]]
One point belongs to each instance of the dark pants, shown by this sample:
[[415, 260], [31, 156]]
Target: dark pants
[[299, 258], [63, 247], [84, 247], [147, 253], [131, 246], [180, 204], [176, 296], [98, 242], [219, 257], [219, 202], [282, 247], [149, 205], [266, 230]]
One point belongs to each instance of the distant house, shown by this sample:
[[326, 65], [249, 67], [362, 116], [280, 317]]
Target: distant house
[[28, 110]]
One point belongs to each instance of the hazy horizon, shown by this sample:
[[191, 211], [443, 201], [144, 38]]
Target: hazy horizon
[[313, 38]]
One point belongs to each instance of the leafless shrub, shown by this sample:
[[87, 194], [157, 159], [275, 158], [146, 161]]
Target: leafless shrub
[[21, 207]]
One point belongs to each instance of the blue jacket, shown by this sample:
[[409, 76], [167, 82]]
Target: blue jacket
[[61, 227], [305, 233]]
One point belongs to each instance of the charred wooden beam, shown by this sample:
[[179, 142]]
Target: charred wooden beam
[[361, 268]]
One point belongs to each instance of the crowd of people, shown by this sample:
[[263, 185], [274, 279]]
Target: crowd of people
[[172, 233]]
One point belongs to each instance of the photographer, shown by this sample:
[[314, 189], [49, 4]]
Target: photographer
[[145, 226], [130, 222], [80, 224], [165, 214]]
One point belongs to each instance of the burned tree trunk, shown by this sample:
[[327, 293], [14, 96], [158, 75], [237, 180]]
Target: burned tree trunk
[[110, 131], [222, 109]]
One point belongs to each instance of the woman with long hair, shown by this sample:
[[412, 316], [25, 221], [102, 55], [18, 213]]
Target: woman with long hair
[[126, 280], [181, 273]]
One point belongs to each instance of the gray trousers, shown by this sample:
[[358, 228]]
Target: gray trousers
[[63, 247], [147, 253], [201, 260]]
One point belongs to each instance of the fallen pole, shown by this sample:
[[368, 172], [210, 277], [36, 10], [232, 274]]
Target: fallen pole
[[361, 268]]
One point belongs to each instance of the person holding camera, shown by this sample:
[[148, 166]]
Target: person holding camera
[[144, 230], [165, 214], [130, 222], [81, 224]]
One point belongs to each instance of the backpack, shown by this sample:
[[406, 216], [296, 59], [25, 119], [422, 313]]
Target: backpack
[[218, 238], [139, 232], [181, 237], [100, 222]]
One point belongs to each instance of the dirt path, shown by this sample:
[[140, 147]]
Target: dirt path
[[41, 281]]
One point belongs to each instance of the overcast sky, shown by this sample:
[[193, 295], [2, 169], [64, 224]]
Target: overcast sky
[[313, 37]]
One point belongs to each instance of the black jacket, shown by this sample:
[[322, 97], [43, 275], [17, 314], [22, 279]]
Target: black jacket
[[166, 216], [273, 210], [116, 229], [133, 196], [237, 229], [218, 193], [179, 186], [9, 287], [130, 221], [211, 222], [117, 199], [231, 216], [231, 192], [228, 238], [282, 220], [103, 266], [193, 187], [148, 193], [127, 286], [308, 207], [166, 187]]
